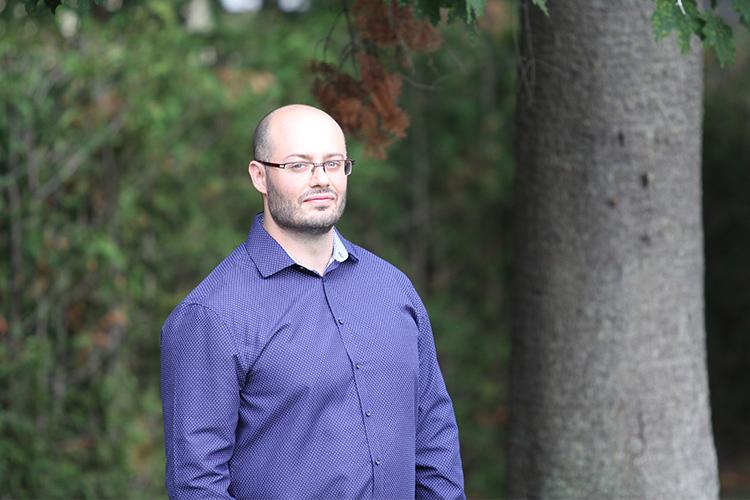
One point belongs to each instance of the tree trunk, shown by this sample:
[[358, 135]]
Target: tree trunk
[[609, 393]]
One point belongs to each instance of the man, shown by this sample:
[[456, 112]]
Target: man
[[304, 366]]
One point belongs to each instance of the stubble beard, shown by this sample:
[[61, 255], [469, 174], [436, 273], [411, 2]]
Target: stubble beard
[[288, 214]]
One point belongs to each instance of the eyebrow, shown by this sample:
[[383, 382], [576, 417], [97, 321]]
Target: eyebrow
[[310, 158]]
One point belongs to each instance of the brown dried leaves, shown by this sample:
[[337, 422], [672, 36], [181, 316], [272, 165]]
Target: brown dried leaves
[[367, 106]]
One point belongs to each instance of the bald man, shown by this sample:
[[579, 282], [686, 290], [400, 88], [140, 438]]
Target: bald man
[[303, 366]]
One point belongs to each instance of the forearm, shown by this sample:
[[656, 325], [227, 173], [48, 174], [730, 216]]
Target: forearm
[[439, 472], [200, 400]]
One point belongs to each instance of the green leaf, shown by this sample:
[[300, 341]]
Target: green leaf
[[106, 249], [163, 10], [30, 5], [742, 7], [431, 9], [542, 4], [668, 17], [718, 34], [474, 8]]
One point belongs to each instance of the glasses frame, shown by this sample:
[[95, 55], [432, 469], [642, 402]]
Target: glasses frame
[[283, 166]]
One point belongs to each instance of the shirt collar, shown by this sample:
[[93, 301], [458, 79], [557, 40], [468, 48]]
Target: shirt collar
[[340, 253], [270, 257]]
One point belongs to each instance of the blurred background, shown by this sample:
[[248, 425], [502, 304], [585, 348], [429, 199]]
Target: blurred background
[[125, 132]]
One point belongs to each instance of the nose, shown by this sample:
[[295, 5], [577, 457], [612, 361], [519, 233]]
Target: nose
[[319, 177]]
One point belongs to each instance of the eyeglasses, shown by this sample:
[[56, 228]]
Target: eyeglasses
[[301, 167]]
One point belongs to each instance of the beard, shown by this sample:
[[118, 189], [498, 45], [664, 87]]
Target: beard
[[289, 214]]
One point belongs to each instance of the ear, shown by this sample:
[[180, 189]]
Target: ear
[[258, 175]]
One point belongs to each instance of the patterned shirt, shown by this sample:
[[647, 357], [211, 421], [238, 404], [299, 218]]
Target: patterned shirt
[[339, 251], [278, 382]]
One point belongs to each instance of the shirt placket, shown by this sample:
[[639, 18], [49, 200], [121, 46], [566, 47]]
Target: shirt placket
[[358, 365]]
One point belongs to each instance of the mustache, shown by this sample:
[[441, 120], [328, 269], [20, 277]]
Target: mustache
[[318, 192]]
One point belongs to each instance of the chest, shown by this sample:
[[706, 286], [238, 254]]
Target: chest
[[321, 334]]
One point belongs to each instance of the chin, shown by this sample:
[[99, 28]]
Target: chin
[[325, 224]]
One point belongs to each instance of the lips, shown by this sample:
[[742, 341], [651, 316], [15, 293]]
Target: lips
[[319, 197]]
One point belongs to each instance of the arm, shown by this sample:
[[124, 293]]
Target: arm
[[439, 473], [200, 392]]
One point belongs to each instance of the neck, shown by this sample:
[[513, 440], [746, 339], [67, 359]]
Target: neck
[[311, 250]]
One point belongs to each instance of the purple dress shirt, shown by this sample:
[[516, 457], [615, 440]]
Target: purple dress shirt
[[280, 383]]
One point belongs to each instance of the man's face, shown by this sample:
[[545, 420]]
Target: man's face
[[311, 202], [310, 207]]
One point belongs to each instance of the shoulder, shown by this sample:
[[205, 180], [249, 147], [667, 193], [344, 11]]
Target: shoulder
[[394, 288], [388, 275], [374, 263], [224, 292]]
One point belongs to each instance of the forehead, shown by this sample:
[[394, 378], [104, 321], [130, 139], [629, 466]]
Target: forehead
[[305, 132]]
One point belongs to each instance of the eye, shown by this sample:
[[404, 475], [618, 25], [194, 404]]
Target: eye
[[299, 166], [333, 164]]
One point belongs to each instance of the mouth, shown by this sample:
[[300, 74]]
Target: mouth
[[318, 199]]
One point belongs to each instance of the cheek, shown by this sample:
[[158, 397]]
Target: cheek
[[287, 188], [340, 185]]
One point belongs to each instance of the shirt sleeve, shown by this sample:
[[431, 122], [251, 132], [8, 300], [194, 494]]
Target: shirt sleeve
[[439, 473], [200, 392]]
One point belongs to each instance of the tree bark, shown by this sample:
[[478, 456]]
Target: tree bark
[[609, 392]]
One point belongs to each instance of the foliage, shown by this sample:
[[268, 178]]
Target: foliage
[[542, 4], [384, 35], [114, 141], [742, 7], [123, 153], [123, 148], [684, 18], [366, 105]]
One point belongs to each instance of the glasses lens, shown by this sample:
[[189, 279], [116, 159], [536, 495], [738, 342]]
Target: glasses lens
[[348, 166], [299, 166], [333, 165]]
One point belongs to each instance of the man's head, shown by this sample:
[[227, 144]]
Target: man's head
[[309, 202]]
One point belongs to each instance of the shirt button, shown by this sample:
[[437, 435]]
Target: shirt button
[[340, 321], [358, 366], [368, 413], [377, 461]]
